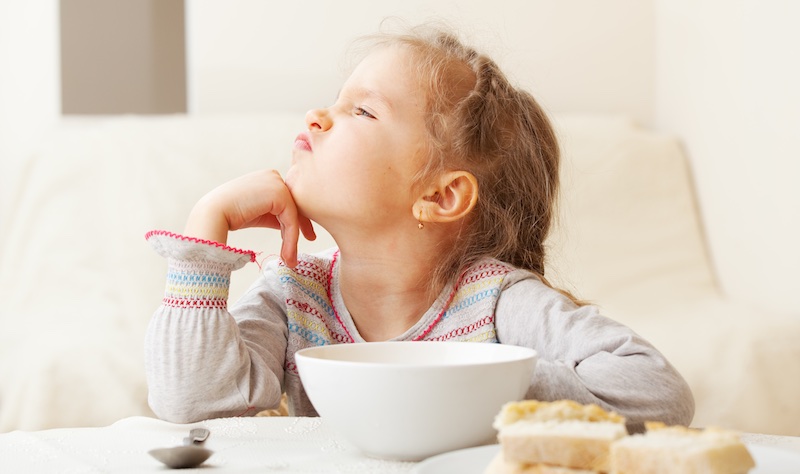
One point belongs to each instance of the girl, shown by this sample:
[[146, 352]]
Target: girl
[[437, 180]]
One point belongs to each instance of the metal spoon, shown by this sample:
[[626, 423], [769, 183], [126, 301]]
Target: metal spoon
[[190, 454]]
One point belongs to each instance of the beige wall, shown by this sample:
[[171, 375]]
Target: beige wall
[[29, 87], [574, 55], [727, 83], [123, 57]]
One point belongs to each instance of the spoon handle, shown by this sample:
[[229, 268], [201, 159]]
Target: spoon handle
[[197, 436]]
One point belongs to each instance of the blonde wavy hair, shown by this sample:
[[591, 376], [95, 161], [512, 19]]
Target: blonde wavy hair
[[479, 122]]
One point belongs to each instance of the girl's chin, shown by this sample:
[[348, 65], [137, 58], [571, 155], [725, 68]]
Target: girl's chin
[[295, 184], [290, 177]]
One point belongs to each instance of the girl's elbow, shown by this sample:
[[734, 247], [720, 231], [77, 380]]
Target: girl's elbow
[[176, 412], [684, 405], [675, 406]]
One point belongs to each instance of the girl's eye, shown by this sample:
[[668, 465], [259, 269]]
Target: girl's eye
[[364, 112]]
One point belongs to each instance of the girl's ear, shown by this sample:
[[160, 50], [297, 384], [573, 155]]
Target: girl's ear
[[449, 200]]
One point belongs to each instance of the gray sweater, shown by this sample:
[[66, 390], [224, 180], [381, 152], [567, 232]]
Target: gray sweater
[[204, 361]]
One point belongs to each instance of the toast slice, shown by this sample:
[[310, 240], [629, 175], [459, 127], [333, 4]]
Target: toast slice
[[500, 466], [561, 434], [670, 449]]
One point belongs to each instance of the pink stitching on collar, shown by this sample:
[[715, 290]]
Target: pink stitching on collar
[[330, 296]]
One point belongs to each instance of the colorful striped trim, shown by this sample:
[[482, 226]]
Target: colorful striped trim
[[441, 314], [310, 270], [193, 303], [308, 283], [305, 308], [488, 336], [464, 330], [196, 285], [306, 333], [474, 285], [200, 241], [438, 316], [464, 301], [486, 270]]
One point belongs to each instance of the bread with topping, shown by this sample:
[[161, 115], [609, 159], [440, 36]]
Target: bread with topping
[[669, 449], [566, 437], [538, 437]]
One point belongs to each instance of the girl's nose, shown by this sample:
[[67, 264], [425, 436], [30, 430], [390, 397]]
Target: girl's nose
[[318, 119]]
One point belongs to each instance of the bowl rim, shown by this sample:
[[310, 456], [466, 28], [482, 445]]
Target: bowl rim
[[524, 354]]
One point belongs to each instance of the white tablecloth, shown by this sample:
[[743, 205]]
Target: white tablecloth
[[261, 444], [264, 445]]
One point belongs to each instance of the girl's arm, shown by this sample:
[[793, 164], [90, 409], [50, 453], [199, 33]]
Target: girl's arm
[[202, 361], [589, 358]]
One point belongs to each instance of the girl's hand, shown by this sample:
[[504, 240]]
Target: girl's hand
[[258, 199]]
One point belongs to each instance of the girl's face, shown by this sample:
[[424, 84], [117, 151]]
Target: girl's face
[[354, 166]]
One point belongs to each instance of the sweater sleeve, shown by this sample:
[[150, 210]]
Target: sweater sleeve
[[586, 357], [201, 360]]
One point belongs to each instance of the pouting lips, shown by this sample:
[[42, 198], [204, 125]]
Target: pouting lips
[[303, 142]]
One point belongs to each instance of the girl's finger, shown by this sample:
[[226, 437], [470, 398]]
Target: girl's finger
[[290, 233], [307, 228]]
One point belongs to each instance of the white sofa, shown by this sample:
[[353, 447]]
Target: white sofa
[[79, 283]]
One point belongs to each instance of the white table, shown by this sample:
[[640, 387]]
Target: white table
[[264, 445]]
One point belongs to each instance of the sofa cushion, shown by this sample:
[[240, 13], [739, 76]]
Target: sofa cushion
[[629, 226]]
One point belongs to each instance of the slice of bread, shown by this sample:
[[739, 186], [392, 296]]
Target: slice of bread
[[571, 443], [557, 434], [500, 466], [565, 437], [667, 450]]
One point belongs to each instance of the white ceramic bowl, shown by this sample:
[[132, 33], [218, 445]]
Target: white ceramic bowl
[[411, 400]]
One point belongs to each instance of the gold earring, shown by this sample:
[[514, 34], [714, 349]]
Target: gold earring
[[420, 225]]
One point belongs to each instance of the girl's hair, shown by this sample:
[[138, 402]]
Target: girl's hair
[[478, 122]]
